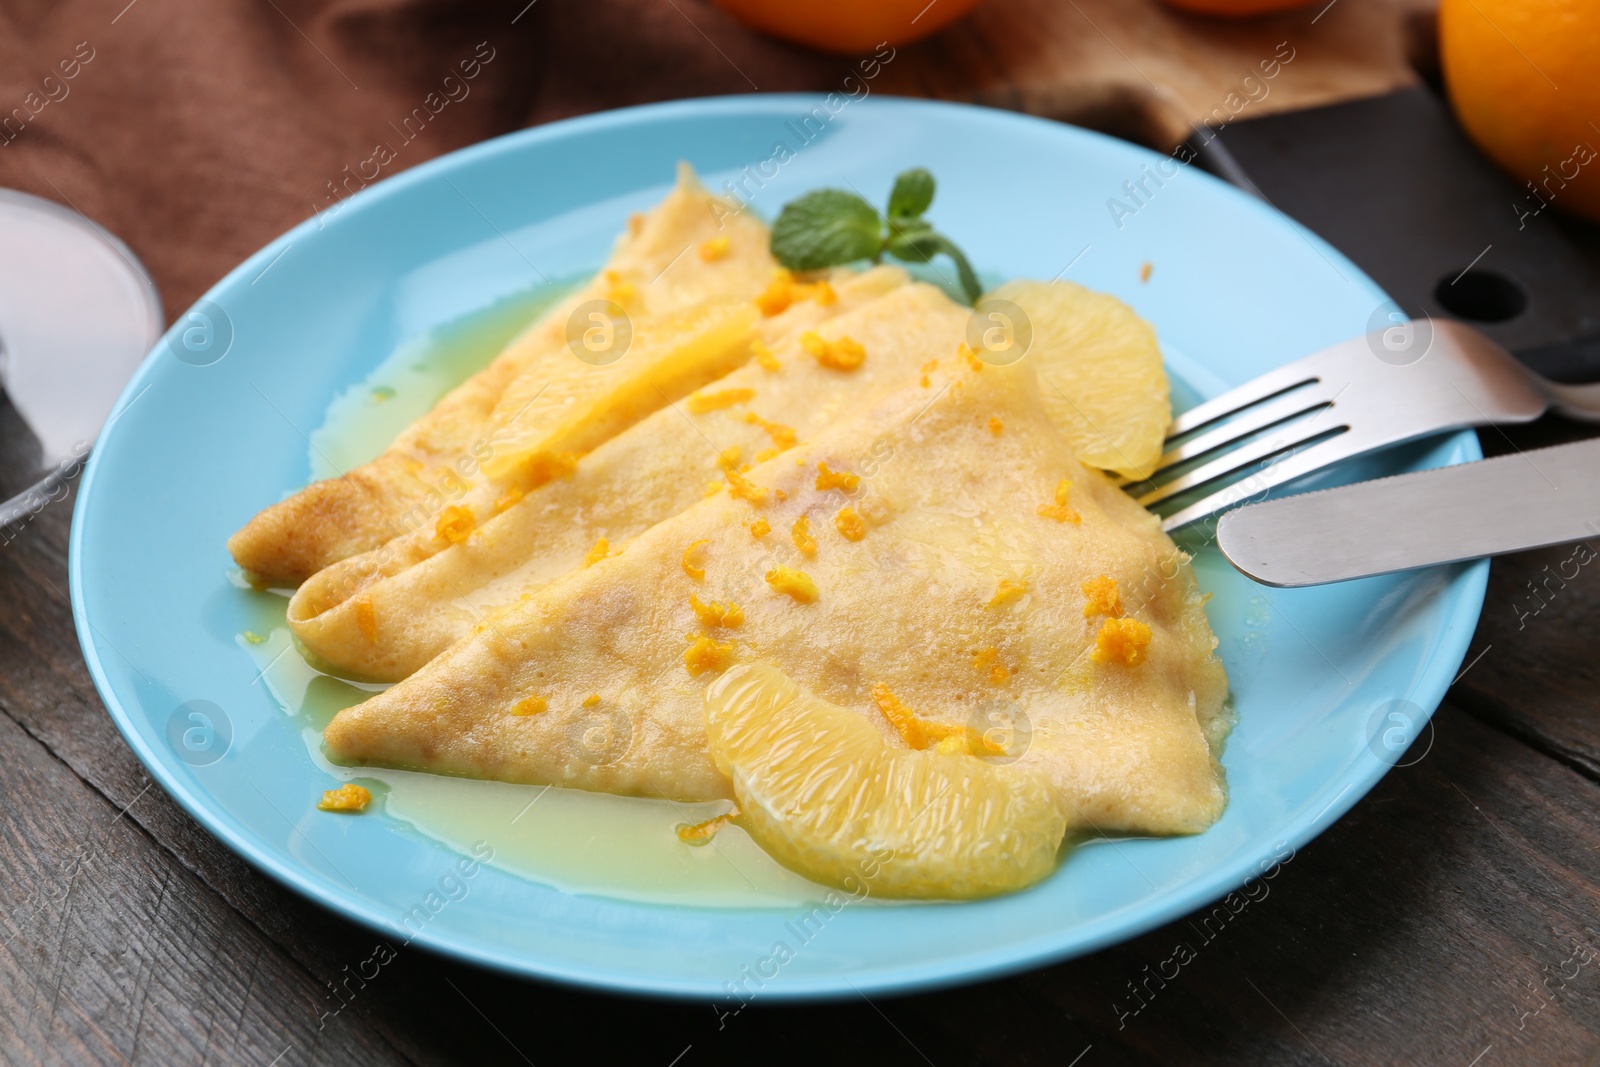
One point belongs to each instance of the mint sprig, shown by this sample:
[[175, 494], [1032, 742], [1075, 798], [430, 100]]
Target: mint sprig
[[831, 227]]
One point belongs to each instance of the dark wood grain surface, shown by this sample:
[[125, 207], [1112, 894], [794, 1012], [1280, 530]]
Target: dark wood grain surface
[[1452, 917]]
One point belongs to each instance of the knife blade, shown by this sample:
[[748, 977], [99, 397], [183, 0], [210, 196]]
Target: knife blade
[[1546, 496]]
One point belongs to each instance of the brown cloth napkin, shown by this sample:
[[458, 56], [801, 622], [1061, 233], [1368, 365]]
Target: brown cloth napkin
[[198, 130]]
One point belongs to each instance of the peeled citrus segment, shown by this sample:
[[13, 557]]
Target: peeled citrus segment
[[567, 406], [1100, 374], [826, 795]]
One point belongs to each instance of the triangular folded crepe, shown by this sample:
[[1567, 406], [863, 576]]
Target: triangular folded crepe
[[384, 614], [952, 566], [655, 269]]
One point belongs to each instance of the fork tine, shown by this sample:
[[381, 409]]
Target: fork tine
[[1290, 376], [1260, 417], [1320, 454], [1294, 436]]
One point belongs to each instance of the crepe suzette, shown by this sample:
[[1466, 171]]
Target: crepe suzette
[[939, 565], [385, 614], [682, 276]]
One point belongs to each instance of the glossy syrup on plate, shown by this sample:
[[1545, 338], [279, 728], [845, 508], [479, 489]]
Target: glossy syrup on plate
[[573, 840]]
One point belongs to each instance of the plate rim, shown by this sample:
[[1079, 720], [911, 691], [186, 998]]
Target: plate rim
[[1467, 587]]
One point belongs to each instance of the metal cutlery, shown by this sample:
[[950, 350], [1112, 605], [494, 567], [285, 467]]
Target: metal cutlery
[[1547, 496], [1387, 387]]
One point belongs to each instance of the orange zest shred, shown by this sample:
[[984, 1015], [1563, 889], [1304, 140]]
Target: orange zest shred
[[764, 356], [455, 524], [760, 528], [705, 655], [801, 532], [717, 613], [1124, 641], [927, 369], [778, 295], [714, 248], [691, 568], [849, 524], [1101, 597], [743, 488], [542, 467], [728, 457], [989, 659], [347, 798], [1007, 591], [508, 499], [903, 719], [700, 403], [529, 705], [701, 832], [919, 733], [592, 700], [797, 584], [969, 356], [366, 617], [784, 291], [1059, 511], [827, 479], [782, 436], [841, 354], [601, 549], [766, 454], [995, 426]]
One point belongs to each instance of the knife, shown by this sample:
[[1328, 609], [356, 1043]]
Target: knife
[[1547, 496]]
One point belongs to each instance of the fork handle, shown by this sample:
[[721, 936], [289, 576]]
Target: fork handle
[[1580, 402]]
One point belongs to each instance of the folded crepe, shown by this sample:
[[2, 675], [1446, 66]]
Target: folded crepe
[[941, 557], [691, 250], [386, 613]]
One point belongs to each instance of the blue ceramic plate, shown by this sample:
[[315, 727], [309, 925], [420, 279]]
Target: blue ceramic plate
[[1326, 682]]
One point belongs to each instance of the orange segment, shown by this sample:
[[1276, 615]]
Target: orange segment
[[819, 788], [1100, 374]]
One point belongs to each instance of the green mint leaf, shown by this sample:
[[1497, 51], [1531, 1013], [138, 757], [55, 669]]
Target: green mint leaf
[[830, 227], [911, 240], [826, 228], [921, 245], [912, 193]]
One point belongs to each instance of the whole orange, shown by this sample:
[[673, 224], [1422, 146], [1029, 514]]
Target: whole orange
[[849, 27], [1524, 77], [1235, 9]]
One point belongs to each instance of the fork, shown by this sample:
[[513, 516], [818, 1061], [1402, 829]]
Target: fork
[[1358, 396]]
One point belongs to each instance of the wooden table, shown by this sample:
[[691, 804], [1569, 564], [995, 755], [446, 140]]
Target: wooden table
[[1452, 917]]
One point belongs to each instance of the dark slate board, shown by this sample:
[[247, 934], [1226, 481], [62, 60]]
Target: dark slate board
[[1394, 184]]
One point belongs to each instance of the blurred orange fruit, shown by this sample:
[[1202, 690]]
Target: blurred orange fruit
[[849, 27], [1235, 9], [1525, 84]]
